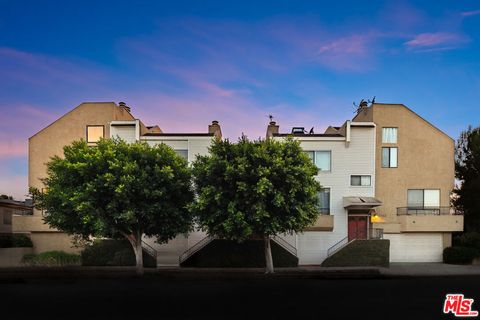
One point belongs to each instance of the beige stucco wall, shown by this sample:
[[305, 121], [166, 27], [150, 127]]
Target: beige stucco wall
[[418, 223], [425, 159], [72, 126], [50, 241], [29, 224], [50, 142], [324, 222], [12, 257]]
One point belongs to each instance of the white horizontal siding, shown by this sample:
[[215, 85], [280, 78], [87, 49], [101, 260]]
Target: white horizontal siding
[[354, 158]]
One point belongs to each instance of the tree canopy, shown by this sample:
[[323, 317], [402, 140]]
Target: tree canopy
[[118, 189], [255, 189], [467, 169]]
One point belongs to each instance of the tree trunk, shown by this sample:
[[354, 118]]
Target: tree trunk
[[136, 242], [268, 256]]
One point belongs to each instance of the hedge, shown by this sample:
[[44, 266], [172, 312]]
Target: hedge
[[111, 252], [51, 259], [361, 253], [460, 255], [15, 240], [467, 239]]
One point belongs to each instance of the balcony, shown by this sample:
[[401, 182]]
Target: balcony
[[429, 219], [324, 223], [375, 233], [427, 211]]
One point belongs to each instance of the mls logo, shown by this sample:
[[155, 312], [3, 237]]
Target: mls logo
[[460, 306]]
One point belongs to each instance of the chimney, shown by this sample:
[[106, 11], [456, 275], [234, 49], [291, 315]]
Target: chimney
[[122, 104], [272, 129], [215, 129]]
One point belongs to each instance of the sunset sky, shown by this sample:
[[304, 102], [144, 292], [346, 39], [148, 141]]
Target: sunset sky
[[183, 64]]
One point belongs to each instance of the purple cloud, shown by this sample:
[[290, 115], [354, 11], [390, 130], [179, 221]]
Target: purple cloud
[[445, 40], [470, 13]]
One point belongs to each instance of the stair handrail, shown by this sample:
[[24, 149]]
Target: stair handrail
[[149, 249], [284, 244], [337, 246], [196, 247]]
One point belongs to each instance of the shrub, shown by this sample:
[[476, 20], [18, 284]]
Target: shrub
[[361, 253], [51, 259], [15, 240], [460, 255], [468, 239], [113, 253]]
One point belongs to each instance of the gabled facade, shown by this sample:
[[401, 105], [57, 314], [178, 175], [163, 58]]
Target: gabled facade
[[91, 121], [414, 166]]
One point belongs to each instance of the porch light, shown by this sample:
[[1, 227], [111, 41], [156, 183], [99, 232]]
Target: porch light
[[375, 217]]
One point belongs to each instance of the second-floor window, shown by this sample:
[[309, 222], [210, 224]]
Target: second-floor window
[[389, 157], [182, 153], [361, 180], [94, 133], [423, 198], [324, 201], [322, 159], [389, 135]]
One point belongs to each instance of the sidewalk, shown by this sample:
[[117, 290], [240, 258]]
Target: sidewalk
[[396, 270], [429, 270]]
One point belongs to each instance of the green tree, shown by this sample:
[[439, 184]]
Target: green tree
[[118, 190], [5, 197], [255, 189], [467, 170]]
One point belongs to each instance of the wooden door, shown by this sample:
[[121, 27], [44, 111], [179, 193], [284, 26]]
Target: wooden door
[[357, 227]]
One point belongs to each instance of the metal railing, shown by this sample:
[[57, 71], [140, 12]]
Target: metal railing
[[22, 212], [149, 249], [428, 211], [337, 246], [285, 245], [375, 233], [196, 247]]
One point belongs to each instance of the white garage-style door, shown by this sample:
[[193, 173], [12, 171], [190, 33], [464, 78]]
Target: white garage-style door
[[415, 247]]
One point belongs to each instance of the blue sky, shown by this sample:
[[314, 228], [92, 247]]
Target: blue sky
[[182, 64]]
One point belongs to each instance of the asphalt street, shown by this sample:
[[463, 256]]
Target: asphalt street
[[236, 298]]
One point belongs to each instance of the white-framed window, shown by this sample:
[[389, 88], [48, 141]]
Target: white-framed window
[[389, 135], [322, 159], [324, 201], [94, 133], [389, 157], [182, 153], [361, 180], [423, 198]]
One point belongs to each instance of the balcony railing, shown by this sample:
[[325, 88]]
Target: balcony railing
[[22, 212], [401, 211], [375, 233]]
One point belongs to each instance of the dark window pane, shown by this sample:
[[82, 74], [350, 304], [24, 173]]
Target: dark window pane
[[385, 157]]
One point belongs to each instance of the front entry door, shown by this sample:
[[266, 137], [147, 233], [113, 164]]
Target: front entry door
[[357, 227]]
